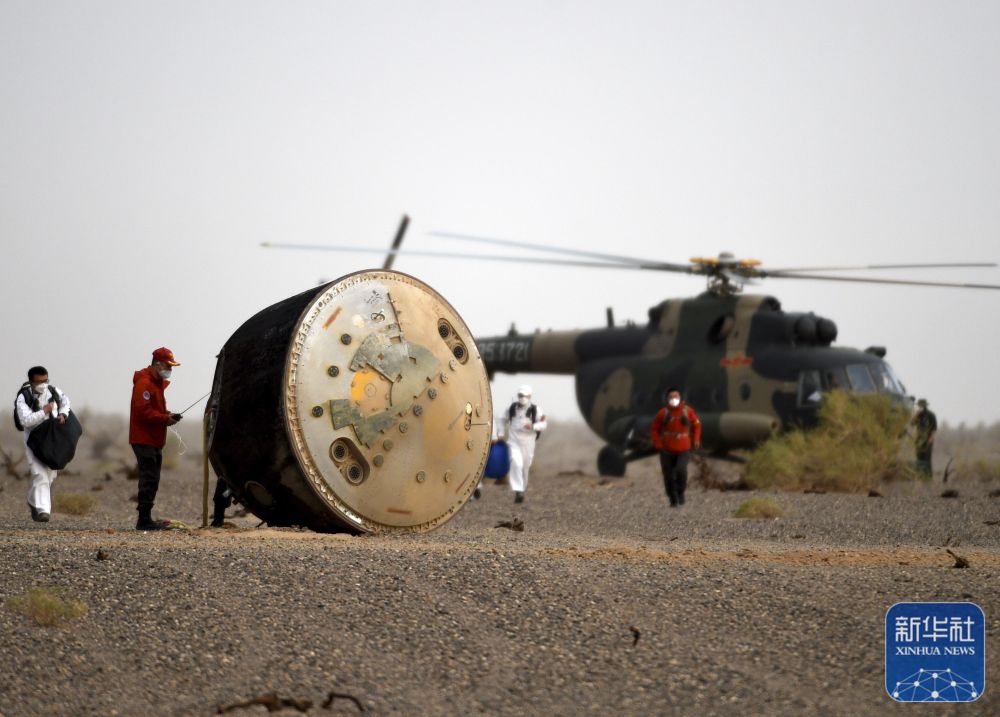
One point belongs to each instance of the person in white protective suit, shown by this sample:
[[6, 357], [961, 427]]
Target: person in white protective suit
[[521, 424], [36, 403]]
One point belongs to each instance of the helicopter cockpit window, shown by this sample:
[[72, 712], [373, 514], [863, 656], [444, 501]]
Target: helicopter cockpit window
[[885, 379], [895, 378], [861, 380], [834, 378], [810, 389]]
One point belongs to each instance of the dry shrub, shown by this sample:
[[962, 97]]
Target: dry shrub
[[715, 475], [969, 442], [47, 607], [857, 444], [104, 433], [73, 503], [759, 508], [11, 465], [977, 469]]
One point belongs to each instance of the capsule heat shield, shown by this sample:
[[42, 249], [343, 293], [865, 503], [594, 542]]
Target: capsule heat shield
[[362, 405]]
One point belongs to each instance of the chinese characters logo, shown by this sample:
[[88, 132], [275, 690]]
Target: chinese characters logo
[[935, 652]]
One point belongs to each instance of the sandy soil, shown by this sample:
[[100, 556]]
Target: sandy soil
[[608, 602]]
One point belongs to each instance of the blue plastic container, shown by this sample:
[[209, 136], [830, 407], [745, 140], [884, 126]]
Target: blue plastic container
[[498, 464]]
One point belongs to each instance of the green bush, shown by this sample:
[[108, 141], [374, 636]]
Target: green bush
[[759, 508], [857, 444], [47, 607]]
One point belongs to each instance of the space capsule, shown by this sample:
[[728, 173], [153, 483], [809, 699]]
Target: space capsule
[[358, 406]]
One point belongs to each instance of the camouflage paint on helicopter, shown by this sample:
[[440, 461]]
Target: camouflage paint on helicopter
[[748, 368]]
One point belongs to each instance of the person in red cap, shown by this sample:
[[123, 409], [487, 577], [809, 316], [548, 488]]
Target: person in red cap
[[147, 430]]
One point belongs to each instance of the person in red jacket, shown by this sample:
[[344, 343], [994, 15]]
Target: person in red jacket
[[147, 430], [675, 431]]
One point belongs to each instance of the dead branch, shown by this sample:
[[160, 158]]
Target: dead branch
[[328, 702], [960, 562], [10, 465], [271, 701]]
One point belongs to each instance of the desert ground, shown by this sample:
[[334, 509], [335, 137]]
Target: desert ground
[[607, 602]]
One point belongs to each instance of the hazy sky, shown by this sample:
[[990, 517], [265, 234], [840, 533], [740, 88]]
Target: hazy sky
[[146, 149]]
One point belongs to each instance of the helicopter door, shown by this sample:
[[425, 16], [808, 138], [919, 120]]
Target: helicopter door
[[810, 389]]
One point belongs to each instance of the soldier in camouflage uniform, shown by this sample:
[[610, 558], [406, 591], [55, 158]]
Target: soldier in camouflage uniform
[[926, 424]]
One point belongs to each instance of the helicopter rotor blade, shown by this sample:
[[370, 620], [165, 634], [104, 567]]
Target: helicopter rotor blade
[[957, 265], [461, 255], [731, 276], [665, 266], [898, 282], [400, 233]]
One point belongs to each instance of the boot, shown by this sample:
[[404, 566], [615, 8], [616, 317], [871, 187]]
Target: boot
[[146, 521], [519, 496]]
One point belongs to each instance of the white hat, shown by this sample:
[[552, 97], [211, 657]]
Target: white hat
[[524, 391]]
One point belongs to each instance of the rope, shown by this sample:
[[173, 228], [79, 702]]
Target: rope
[[183, 449]]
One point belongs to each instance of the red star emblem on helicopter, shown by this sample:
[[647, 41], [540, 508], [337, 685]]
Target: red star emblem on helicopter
[[736, 361]]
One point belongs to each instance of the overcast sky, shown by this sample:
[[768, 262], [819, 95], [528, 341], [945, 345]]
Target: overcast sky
[[146, 149]]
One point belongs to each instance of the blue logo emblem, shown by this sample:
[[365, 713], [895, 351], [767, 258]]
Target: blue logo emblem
[[935, 652]]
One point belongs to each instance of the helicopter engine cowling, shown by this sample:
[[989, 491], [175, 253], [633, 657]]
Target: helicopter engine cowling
[[826, 331], [804, 329]]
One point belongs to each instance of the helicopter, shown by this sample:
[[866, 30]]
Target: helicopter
[[751, 368]]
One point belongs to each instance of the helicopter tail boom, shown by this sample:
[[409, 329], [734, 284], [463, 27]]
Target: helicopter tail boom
[[550, 352]]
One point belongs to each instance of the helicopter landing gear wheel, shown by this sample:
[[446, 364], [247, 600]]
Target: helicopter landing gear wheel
[[611, 462]]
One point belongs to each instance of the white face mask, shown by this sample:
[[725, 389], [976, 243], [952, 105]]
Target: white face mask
[[524, 400], [674, 402], [165, 373], [39, 388]]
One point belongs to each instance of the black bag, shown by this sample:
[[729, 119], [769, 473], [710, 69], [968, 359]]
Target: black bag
[[54, 444]]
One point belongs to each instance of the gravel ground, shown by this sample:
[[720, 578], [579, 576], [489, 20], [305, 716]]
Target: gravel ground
[[607, 603]]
